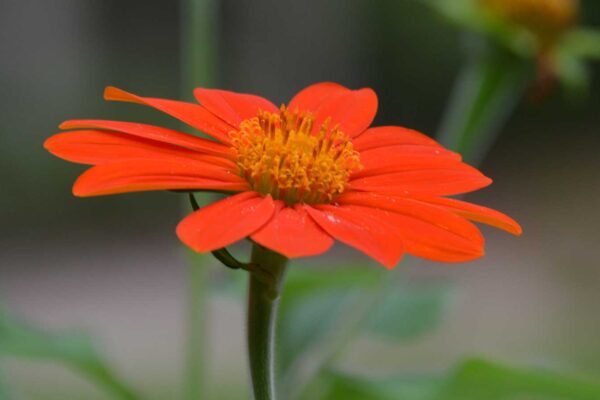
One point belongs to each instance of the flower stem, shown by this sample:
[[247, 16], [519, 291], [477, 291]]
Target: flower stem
[[488, 89], [263, 299]]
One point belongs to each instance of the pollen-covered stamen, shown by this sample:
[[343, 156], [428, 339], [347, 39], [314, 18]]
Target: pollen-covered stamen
[[279, 154]]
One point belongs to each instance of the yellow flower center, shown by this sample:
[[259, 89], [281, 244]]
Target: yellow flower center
[[279, 154], [547, 20]]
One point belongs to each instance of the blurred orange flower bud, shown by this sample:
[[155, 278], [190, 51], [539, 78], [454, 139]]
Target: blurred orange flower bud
[[547, 20]]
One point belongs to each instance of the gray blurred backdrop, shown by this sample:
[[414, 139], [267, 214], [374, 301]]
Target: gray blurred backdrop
[[113, 265]]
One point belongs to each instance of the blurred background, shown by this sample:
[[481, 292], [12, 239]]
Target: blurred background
[[113, 267]]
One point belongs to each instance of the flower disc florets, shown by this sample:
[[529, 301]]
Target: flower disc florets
[[283, 154]]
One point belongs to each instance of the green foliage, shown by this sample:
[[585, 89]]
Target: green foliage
[[583, 42], [473, 380], [313, 301], [485, 95], [334, 386], [408, 311], [573, 72], [323, 310], [479, 379], [4, 389], [74, 350]]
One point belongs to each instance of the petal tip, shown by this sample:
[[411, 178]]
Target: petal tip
[[108, 91], [390, 265], [515, 229], [68, 124], [114, 93], [77, 192], [48, 143]]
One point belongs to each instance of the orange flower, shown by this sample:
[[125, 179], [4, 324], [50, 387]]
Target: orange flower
[[298, 176]]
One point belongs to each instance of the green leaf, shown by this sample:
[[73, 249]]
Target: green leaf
[[474, 379], [478, 379], [4, 389], [409, 311], [336, 385], [313, 299], [573, 73], [583, 42], [75, 350], [323, 312]]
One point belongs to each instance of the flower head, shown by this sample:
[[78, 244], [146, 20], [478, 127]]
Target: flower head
[[280, 154], [296, 177]]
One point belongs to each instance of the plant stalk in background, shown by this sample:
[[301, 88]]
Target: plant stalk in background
[[490, 86], [198, 19]]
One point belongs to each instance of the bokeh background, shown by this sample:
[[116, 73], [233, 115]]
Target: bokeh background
[[113, 267]]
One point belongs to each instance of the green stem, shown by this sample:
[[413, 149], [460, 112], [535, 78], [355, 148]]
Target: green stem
[[198, 47], [263, 299], [486, 93]]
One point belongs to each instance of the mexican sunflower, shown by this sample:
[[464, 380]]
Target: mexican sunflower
[[296, 177]]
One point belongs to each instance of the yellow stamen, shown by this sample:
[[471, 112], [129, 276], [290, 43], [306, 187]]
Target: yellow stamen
[[547, 20], [280, 154]]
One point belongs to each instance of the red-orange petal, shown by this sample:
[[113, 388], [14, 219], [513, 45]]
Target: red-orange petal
[[152, 132], [425, 240], [383, 162], [190, 113], [310, 98], [384, 136], [425, 212], [353, 111], [144, 175], [233, 107], [226, 221], [429, 182], [477, 213], [293, 233], [407, 150], [101, 147], [370, 235]]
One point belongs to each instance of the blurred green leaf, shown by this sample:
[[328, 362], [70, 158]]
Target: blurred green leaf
[[322, 312], [304, 280], [336, 386], [75, 350], [572, 72], [583, 42], [478, 379], [409, 311], [313, 299], [4, 390], [475, 379]]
